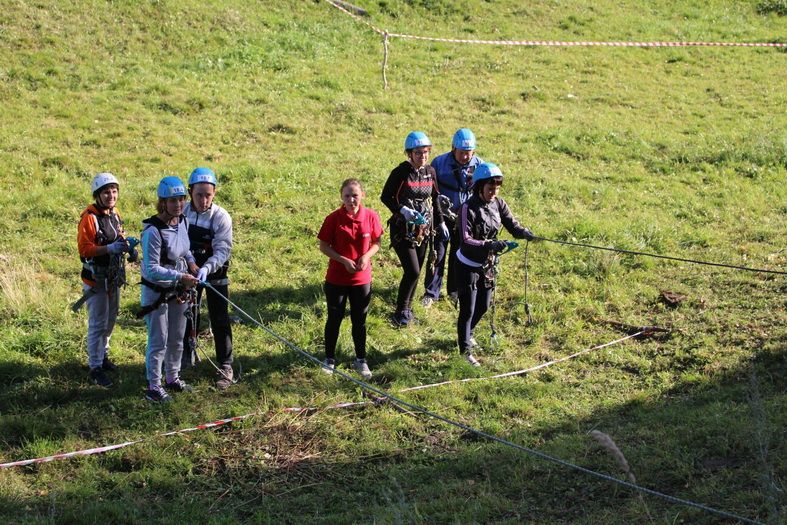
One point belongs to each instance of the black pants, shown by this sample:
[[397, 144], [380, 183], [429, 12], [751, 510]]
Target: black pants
[[444, 250], [474, 300], [336, 296], [218, 311], [412, 259]]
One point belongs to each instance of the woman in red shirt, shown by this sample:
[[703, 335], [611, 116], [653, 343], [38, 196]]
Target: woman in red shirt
[[349, 236]]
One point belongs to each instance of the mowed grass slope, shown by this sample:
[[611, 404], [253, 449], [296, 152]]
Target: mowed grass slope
[[674, 151]]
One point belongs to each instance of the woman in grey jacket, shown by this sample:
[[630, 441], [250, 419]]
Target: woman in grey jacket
[[480, 220]]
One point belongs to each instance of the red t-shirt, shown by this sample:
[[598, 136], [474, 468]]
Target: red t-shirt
[[351, 237]]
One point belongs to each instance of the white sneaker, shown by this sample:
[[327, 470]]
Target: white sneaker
[[471, 359], [330, 366], [426, 301], [362, 368]]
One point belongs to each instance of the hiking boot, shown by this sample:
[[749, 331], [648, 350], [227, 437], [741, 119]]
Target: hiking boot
[[362, 368], [98, 377], [471, 359], [427, 301], [157, 395], [330, 366], [225, 377], [178, 385], [108, 365]]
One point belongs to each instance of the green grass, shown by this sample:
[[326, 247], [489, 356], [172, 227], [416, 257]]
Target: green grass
[[675, 151]]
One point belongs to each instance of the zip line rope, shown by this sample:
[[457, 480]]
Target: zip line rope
[[657, 256], [480, 433]]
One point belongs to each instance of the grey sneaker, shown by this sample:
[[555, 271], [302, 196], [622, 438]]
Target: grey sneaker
[[330, 366], [98, 377], [225, 377], [157, 395], [178, 385], [471, 359], [362, 368]]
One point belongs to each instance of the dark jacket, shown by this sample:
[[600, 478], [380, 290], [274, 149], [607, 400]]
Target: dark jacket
[[416, 190], [479, 223]]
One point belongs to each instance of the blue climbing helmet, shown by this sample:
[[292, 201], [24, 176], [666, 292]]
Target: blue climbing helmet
[[171, 187], [486, 171], [202, 175], [416, 139], [464, 140]]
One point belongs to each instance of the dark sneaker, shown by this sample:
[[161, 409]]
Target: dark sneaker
[[108, 365], [178, 385], [98, 377], [157, 395], [362, 368], [225, 377], [330, 366], [399, 319]]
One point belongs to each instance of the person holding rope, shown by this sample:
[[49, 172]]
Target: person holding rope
[[166, 289], [411, 194], [210, 234], [480, 220], [101, 243], [349, 237], [454, 180]]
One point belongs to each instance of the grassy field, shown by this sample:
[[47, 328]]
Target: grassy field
[[677, 151]]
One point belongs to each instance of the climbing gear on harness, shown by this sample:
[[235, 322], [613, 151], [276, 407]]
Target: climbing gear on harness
[[202, 175], [170, 187], [190, 357], [417, 228], [445, 205], [485, 171], [101, 180], [464, 139], [416, 139]]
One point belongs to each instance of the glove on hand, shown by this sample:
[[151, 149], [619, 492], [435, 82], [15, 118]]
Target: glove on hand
[[409, 214], [529, 235], [202, 274], [444, 233], [497, 246], [119, 246]]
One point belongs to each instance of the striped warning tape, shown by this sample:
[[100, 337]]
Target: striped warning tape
[[555, 43]]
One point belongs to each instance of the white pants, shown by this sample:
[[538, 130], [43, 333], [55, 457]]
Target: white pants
[[166, 326], [102, 311]]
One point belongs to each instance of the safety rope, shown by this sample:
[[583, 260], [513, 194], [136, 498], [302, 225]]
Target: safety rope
[[657, 256], [415, 408], [553, 43]]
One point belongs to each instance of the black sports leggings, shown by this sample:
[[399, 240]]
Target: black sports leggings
[[474, 301], [412, 259], [336, 296]]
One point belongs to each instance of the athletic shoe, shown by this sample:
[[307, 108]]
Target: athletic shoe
[[157, 395], [399, 319], [108, 365], [330, 366], [473, 342], [178, 385], [98, 377], [427, 301], [362, 368], [225, 377], [471, 359]]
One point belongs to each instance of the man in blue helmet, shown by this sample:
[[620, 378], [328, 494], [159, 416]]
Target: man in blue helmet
[[454, 180], [210, 234]]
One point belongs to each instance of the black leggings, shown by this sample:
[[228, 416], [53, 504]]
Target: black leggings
[[412, 259], [336, 296], [474, 301], [218, 312]]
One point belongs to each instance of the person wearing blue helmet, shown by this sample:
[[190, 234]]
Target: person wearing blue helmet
[[479, 221], [454, 180], [165, 277], [410, 193], [210, 233]]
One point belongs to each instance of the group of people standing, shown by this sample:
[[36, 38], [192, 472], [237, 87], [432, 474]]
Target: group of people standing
[[448, 211], [183, 244], [445, 213]]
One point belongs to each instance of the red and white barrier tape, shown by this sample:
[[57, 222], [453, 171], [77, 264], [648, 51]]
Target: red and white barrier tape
[[557, 43], [374, 401]]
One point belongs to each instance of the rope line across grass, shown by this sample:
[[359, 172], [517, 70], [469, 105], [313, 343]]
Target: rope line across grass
[[555, 43]]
